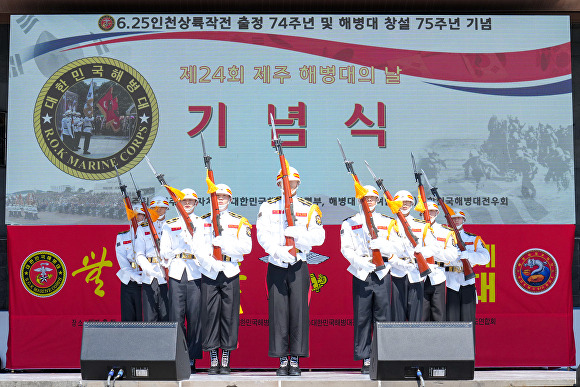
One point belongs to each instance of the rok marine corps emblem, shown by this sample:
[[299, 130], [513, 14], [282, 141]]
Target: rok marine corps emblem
[[43, 274], [94, 114], [535, 271]]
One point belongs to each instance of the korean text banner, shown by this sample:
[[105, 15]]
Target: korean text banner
[[483, 103]]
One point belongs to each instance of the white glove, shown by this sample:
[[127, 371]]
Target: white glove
[[362, 263], [283, 254], [294, 231], [218, 241], [426, 251], [464, 255], [386, 247], [217, 265]]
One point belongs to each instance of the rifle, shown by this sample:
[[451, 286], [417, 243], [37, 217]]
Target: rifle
[[424, 269], [288, 205], [184, 215], [156, 239], [215, 209], [426, 214], [467, 268], [128, 206], [378, 260]]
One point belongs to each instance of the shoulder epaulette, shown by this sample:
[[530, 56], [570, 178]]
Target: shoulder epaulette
[[350, 217], [236, 215], [123, 232], [387, 216], [471, 234], [206, 215], [446, 227], [144, 224], [419, 220], [172, 220], [274, 200], [304, 201]]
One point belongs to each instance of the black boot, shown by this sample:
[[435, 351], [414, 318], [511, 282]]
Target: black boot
[[294, 366], [225, 368], [214, 366], [283, 370], [366, 366]]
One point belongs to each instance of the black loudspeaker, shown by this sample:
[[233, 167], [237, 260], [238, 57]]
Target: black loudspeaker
[[143, 350], [441, 350]]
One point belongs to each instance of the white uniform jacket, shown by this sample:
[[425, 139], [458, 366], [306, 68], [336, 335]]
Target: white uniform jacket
[[77, 124], [446, 251], [475, 253], [145, 252], [272, 222], [66, 126], [403, 263], [124, 248], [88, 124], [354, 244], [237, 241], [178, 247]]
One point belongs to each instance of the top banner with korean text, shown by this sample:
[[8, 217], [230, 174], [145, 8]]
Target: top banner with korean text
[[483, 102]]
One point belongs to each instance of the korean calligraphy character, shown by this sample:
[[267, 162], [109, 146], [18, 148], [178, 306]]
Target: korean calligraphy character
[[449, 201], [295, 113], [197, 22], [253, 201], [487, 320], [157, 22], [170, 22], [342, 201], [440, 23], [262, 73], [184, 22], [97, 70], [351, 201], [472, 23], [485, 201], [211, 22], [308, 72], [142, 103], [317, 201], [50, 102], [281, 74], [308, 23], [458, 200], [359, 22], [133, 85], [243, 23], [78, 74], [404, 24], [367, 74], [390, 22], [333, 200], [344, 22], [308, 198], [189, 73], [492, 321], [235, 201], [380, 202], [347, 73], [503, 201], [477, 200], [61, 85], [485, 24], [373, 23], [225, 22], [467, 201], [236, 74], [454, 24], [494, 201], [294, 22], [117, 74], [328, 74], [393, 77], [261, 200], [74, 322], [257, 22], [244, 201], [326, 23]]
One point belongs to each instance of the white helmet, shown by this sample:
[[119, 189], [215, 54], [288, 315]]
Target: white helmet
[[159, 201], [223, 189], [189, 194], [371, 191], [67, 113], [293, 175], [139, 209], [457, 212], [404, 196], [432, 206]]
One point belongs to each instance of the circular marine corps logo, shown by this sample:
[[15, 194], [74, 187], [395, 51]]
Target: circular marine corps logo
[[43, 274], [94, 114], [106, 23], [535, 271]]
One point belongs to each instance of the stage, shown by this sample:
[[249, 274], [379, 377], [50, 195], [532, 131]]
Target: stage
[[346, 378]]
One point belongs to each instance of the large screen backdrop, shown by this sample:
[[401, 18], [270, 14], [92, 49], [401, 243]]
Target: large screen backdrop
[[483, 102]]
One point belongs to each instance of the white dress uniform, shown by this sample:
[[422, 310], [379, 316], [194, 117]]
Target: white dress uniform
[[434, 290], [221, 282], [130, 276], [87, 123], [67, 132], [181, 251], [371, 288], [461, 294], [155, 302], [288, 282]]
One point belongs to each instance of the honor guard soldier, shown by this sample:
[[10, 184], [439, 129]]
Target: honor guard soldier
[[461, 294], [407, 300], [181, 251], [288, 279], [371, 288], [77, 128], [67, 130], [220, 285], [154, 284], [434, 290], [129, 273], [87, 133]]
